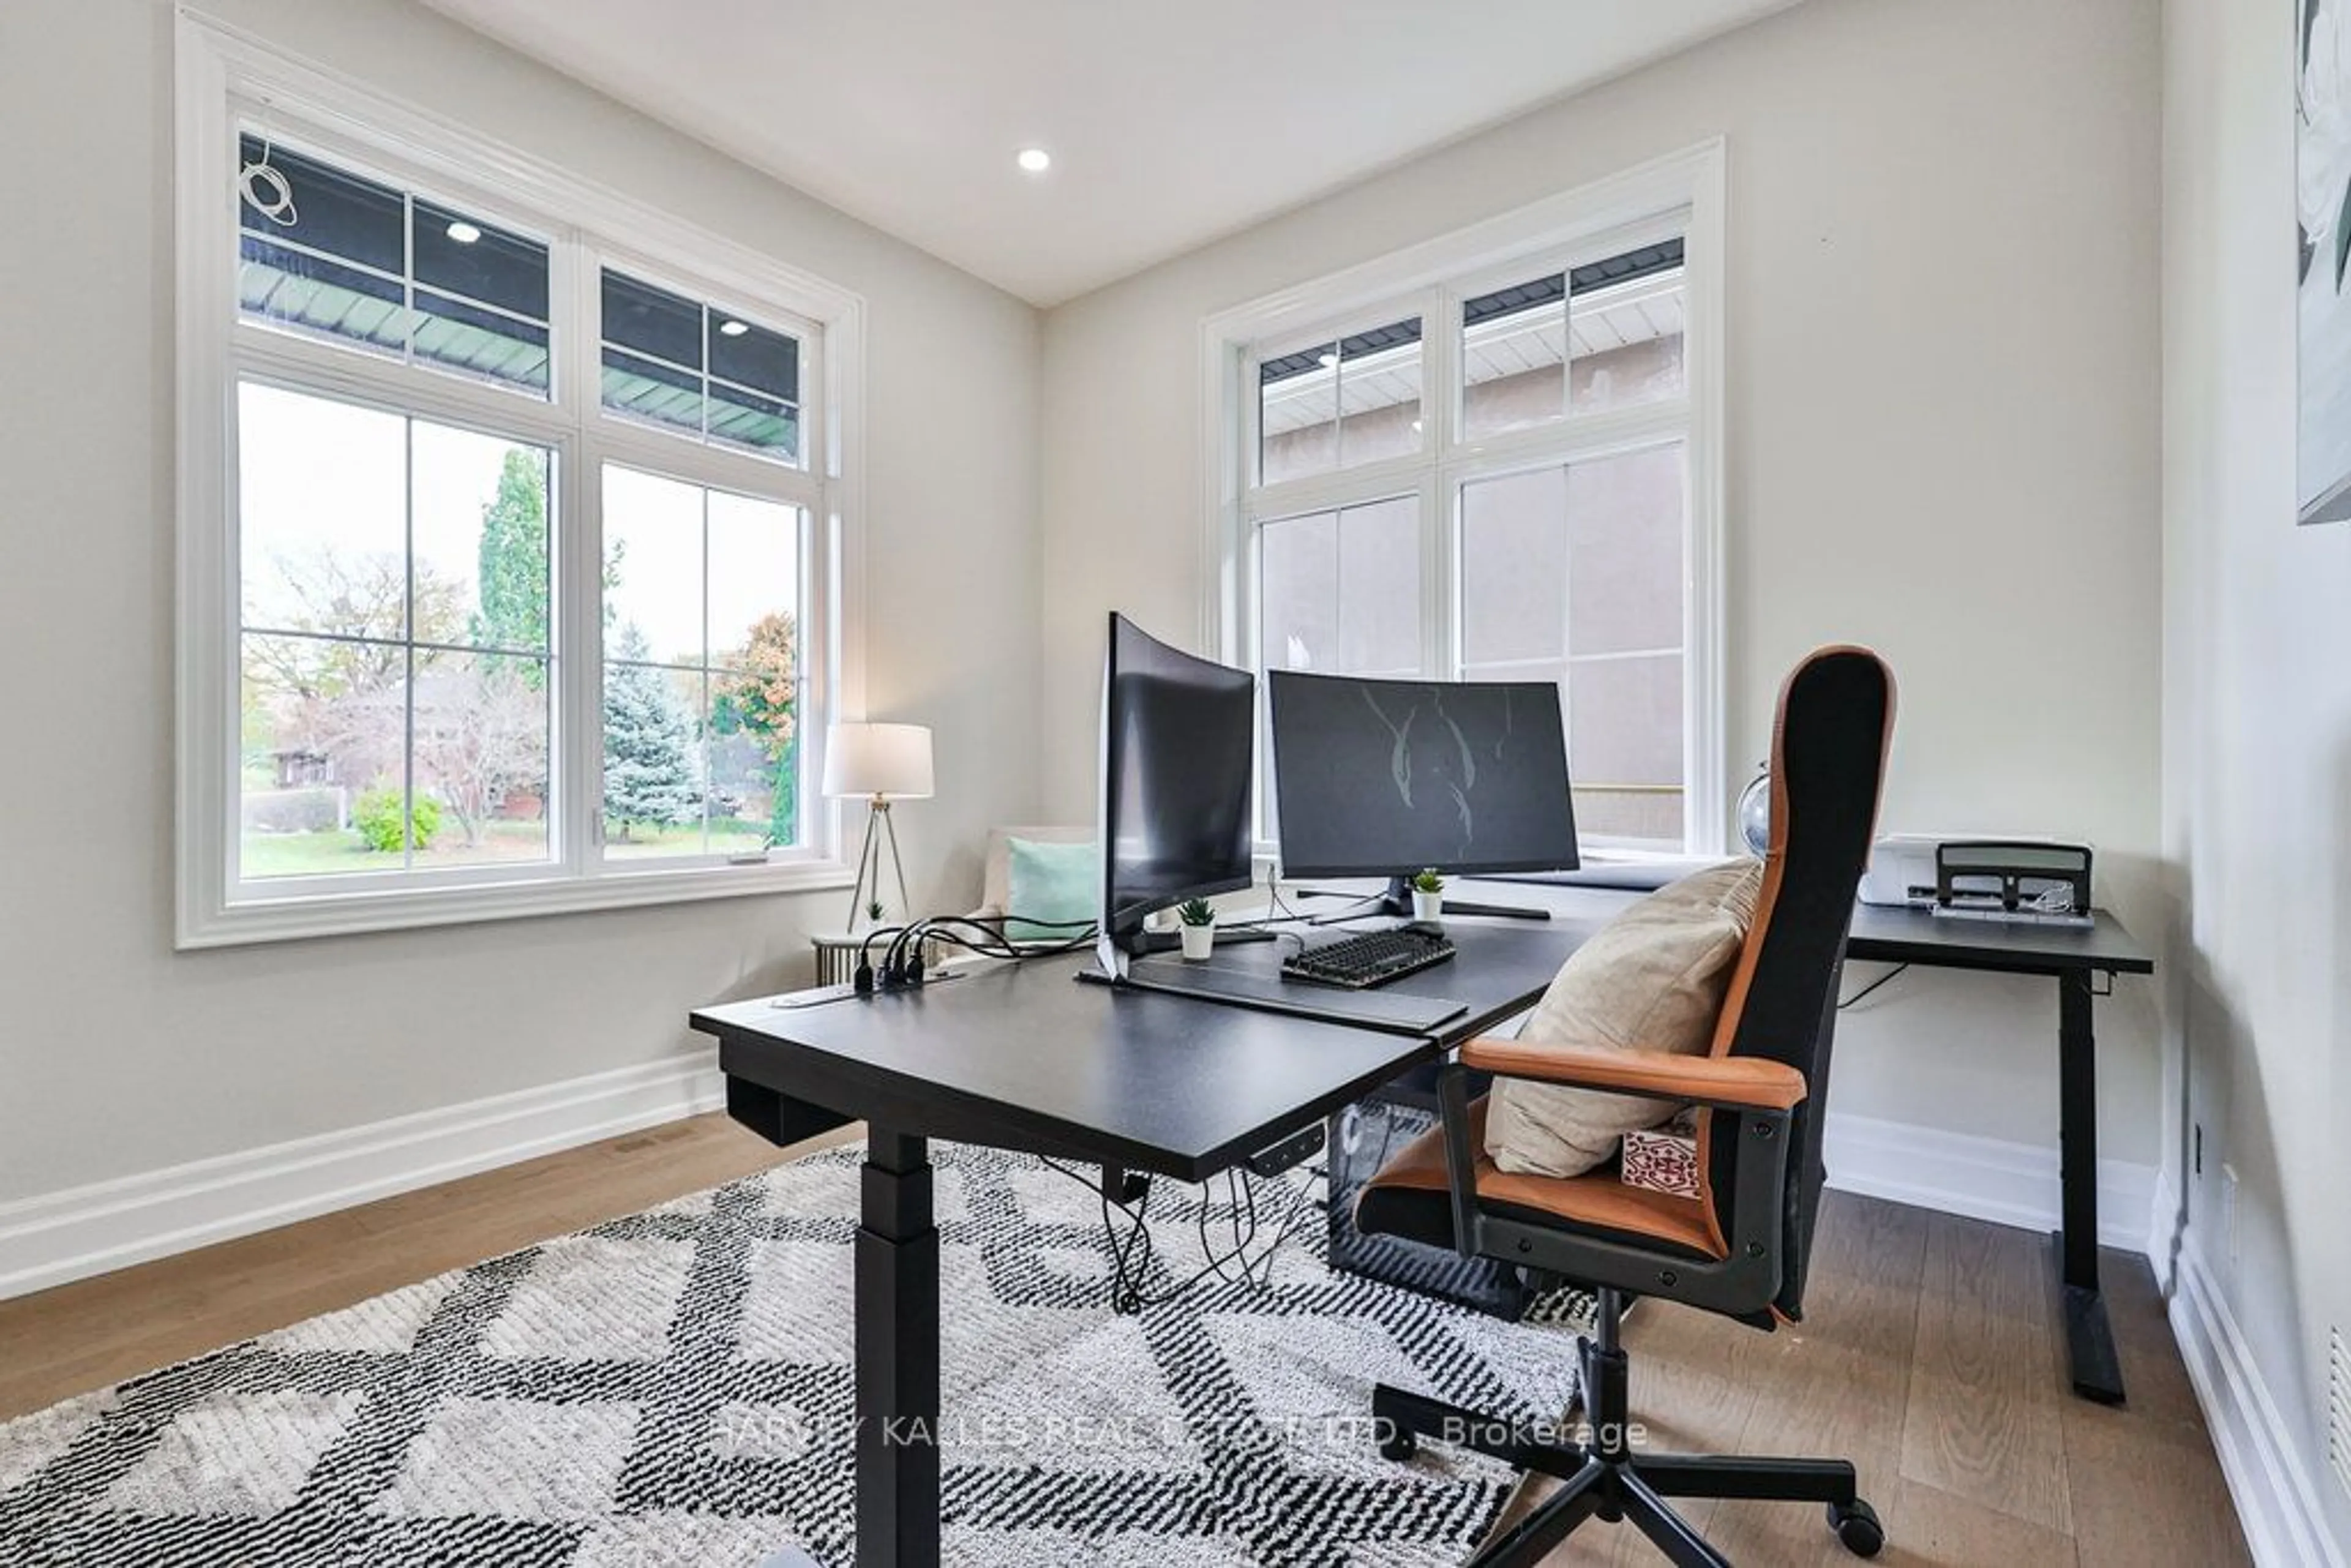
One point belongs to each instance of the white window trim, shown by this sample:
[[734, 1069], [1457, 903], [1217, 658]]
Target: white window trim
[[1689, 187], [217, 68]]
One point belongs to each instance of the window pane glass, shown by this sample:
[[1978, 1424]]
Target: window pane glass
[[328, 252], [1625, 746], [1298, 592], [651, 321], [1514, 569], [702, 683], [1335, 405], [1624, 567], [326, 211], [479, 515], [1298, 419], [753, 422], [1339, 591], [456, 253], [481, 751], [1514, 357], [755, 563], [322, 526], [754, 357], [314, 293], [754, 764], [646, 388], [653, 757], [456, 335], [1379, 587], [653, 568], [1379, 394], [319, 749], [700, 370], [1624, 323]]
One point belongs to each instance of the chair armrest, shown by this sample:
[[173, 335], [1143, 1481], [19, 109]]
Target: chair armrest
[[1744, 1082]]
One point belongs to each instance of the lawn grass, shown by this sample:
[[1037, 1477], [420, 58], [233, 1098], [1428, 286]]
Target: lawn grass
[[343, 853]]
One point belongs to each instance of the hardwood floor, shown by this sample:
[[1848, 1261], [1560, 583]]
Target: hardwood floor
[[1929, 1356], [97, 1331]]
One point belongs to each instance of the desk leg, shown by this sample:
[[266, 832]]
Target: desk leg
[[2089, 1338], [897, 1357]]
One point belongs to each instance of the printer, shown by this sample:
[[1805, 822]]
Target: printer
[[1999, 876]]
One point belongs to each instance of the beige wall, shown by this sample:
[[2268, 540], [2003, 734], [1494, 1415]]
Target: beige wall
[[119, 1056], [2257, 735], [1943, 429]]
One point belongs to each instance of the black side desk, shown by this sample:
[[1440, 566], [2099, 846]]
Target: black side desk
[[2071, 955], [1025, 1057]]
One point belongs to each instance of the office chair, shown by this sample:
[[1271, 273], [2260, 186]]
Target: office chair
[[1739, 1248]]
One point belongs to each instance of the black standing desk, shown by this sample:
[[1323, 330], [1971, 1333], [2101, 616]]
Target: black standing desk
[[2072, 956], [1024, 1057]]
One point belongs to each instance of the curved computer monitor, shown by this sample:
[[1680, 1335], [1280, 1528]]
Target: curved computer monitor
[[1377, 777], [1178, 739]]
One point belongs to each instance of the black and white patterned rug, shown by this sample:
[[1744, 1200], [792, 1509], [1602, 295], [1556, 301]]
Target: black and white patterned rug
[[674, 1387]]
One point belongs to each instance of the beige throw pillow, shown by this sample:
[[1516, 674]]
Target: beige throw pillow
[[1651, 979]]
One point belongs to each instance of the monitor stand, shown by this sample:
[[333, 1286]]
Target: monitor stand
[[1397, 901]]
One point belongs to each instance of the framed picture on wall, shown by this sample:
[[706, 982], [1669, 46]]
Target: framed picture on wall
[[2323, 306]]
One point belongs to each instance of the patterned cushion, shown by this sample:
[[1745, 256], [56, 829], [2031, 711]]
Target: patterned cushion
[[1651, 979]]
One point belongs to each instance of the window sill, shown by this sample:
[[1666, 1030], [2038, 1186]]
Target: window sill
[[296, 917]]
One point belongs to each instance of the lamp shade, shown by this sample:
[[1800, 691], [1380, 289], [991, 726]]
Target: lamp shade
[[892, 761]]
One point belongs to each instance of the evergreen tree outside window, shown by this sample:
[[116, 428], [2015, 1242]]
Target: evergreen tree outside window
[[651, 779]]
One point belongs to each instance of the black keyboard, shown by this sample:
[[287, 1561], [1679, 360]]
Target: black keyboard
[[1372, 959]]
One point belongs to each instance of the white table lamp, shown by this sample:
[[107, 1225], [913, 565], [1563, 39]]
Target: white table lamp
[[881, 763]]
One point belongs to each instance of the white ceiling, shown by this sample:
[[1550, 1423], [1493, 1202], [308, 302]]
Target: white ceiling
[[1170, 122]]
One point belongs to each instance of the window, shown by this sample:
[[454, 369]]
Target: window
[[691, 367], [702, 689], [1494, 458], [511, 531], [326, 251]]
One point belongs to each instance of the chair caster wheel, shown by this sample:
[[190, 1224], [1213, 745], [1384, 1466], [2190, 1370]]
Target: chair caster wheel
[[1857, 1528], [1399, 1445]]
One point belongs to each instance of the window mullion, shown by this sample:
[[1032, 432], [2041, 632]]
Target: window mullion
[[1440, 596], [582, 743], [281, 359]]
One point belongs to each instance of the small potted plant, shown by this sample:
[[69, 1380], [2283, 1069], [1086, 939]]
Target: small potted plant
[[1427, 896], [1197, 917]]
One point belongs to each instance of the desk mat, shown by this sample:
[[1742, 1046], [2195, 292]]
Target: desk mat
[[674, 1387]]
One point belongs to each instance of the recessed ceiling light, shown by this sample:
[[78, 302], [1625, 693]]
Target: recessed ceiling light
[[732, 328], [464, 233], [1035, 160], [1329, 360]]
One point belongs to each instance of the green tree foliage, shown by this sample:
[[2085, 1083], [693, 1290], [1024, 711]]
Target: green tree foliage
[[763, 698], [513, 562], [377, 816], [651, 779]]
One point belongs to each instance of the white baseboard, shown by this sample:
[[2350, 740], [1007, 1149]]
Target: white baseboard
[[2277, 1502], [1983, 1178], [70, 1235]]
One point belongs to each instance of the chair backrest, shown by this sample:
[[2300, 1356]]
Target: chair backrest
[[1829, 745]]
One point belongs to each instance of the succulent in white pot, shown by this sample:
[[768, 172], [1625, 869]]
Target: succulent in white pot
[[1427, 896], [1197, 923]]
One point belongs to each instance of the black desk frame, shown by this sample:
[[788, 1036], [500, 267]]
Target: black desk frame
[[790, 1076], [2094, 1367]]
